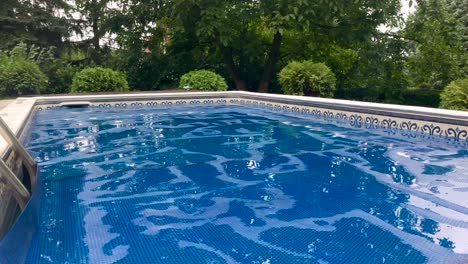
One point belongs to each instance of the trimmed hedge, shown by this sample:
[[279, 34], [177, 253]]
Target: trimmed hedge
[[99, 80], [203, 80], [455, 95], [307, 78]]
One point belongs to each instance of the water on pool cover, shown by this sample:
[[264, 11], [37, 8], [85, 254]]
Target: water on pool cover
[[230, 184]]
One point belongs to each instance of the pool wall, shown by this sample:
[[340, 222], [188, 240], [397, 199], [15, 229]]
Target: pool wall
[[418, 123], [407, 121]]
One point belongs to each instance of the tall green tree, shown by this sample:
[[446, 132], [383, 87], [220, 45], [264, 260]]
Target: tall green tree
[[35, 22], [143, 35], [459, 9], [374, 72], [230, 27], [436, 53], [93, 25]]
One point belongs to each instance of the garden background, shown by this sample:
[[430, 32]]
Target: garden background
[[349, 49]]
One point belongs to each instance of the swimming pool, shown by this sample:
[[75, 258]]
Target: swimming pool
[[224, 184]]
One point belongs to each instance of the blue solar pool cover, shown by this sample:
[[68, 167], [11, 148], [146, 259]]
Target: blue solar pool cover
[[224, 184]]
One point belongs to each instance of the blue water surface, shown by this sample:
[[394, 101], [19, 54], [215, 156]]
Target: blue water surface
[[227, 184]]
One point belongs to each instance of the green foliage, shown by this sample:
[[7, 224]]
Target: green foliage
[[459, 9], [247, 42], [377, 74], [19, 71], [34, 22], [455, 95], [153, 71], [420, 97], [58, 71], [307, 78], [32, 53], [60, 74], [99, 80], [203, 80], [437, 55], [96, 19], [20, 77], [247, 37]]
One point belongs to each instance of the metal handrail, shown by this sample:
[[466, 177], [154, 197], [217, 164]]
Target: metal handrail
[[12, 182], [21, 193]]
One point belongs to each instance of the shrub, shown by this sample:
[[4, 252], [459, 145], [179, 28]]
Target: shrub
[[307, 78], [455, 95], [420, 97], [203, 80], [20, 77], [99, 80], [60, 77], [59, 73]]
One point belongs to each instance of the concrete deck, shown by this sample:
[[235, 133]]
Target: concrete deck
[[5, 103]]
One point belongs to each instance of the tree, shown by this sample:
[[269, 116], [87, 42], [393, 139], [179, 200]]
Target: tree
[[436, 56], [93, 25], [375, 71], [228, 25], [143, 36], [459, 9], [34, 22]]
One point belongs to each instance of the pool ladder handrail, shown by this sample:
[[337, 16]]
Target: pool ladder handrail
[[20, 192]]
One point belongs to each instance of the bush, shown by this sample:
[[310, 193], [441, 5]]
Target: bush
[[420, 97], [60, 77], [59, 73], [455, 95], [203, 80], [20, 77], [99, 80], [307, 78]]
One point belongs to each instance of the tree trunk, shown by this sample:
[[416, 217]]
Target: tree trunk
[[95, 27], [96, 54], [273, 57], [94, 16], [241, 85]]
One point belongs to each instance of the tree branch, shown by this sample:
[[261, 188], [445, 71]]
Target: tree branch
[[389, 34]]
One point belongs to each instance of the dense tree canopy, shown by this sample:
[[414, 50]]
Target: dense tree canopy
[[248, 42], [251, 36], [437, 56], [33, 21]]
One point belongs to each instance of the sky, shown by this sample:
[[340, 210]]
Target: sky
[[406, 10]]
